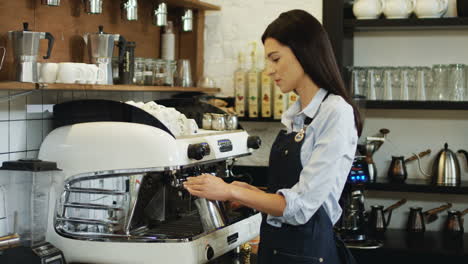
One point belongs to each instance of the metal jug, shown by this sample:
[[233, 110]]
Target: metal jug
[[446, 169], [454, 222], [377, 221], [101, 50], [25, 50], [417, 219], [397, 170]]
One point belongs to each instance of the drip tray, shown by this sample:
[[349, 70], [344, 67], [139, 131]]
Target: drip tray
[[185, 227]]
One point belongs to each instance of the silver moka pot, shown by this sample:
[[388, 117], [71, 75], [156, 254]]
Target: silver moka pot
[[101, 48], [446, 168], [25, 45]]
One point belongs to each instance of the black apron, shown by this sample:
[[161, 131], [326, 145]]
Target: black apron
[[313, 242]]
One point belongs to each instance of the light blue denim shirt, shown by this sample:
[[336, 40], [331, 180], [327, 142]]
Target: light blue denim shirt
[[326, 156]]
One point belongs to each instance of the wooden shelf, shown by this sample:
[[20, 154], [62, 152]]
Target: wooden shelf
[[99, 87], [260, 174], [405, 24], [434, 105], [6, 85], [195, 4], [416, 185]]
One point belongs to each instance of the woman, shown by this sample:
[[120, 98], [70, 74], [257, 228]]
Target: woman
[[309, 162]]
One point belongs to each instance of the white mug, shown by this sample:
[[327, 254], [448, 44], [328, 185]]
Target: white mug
[[48, 72], [368, 9], [395, 9], [98, 75], [452, 8], [92, 74], [430, 8], [70, 73]]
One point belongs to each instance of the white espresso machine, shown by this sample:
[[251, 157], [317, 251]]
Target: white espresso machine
[[123, 200]]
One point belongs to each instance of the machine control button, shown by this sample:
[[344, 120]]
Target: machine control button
[[209, 252], [254, 142], [198, 151]]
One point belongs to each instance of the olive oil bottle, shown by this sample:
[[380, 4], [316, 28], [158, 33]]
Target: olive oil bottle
[[266, 97], [253, 83], [240, 86]]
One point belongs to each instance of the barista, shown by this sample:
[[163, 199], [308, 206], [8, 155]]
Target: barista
[[310, 159]]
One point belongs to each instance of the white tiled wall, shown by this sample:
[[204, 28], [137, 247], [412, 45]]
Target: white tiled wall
[[239, 22], [23, 125]]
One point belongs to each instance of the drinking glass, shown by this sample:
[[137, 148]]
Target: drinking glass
[[390, 83], [423, 83], [183, 74], [406, 81], [372, 92], [440, 74], [387, 84], [358, 80], [456, 82], [379, 73]]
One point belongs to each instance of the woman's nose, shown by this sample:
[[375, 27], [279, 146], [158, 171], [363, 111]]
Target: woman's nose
[[270, 69]]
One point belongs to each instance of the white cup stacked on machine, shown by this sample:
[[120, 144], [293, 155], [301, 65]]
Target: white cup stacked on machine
[[70, 73]]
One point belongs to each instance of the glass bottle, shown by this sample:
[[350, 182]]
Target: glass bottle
[[266, 87], [280, 103], [240, 85], [253, 83]]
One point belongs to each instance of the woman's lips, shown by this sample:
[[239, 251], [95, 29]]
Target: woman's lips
[[277, 81]]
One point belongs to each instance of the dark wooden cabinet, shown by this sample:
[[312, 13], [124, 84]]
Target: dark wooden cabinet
[[341, 26]]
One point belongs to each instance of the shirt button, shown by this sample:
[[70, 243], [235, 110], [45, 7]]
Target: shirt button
[[320, 260], [286, 152], [275, 252]]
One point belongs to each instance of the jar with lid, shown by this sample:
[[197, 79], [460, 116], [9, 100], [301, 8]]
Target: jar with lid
[[139, 70], [148, 73], [159, 72], [171, 67]]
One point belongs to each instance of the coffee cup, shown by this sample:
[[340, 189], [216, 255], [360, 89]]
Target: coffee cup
[[48, 72], [70, 73], [92, 73]]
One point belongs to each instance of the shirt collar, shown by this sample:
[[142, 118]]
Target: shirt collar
[[310, 110]]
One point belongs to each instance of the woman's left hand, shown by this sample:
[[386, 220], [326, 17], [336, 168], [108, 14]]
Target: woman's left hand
[[209, 187]]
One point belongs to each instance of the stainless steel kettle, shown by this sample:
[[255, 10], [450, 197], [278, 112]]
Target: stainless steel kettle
[[446, 169]]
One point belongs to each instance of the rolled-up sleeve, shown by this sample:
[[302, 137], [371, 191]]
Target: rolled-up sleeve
[[332, 147]]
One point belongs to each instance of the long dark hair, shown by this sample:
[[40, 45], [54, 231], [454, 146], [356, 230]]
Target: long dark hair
[[309, 42]]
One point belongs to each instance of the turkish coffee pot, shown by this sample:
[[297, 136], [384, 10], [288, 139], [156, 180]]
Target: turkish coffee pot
[[378, 223], [446, 168], [418, 219], [454, 223], [397, 171]]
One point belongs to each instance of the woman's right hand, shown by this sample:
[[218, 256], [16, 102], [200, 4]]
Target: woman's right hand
[[246, 186]]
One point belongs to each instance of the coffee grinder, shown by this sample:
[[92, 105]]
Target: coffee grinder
[[25, 45], [352, 225]]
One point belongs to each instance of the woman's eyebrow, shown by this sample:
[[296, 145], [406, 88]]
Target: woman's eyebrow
[[271, 53]]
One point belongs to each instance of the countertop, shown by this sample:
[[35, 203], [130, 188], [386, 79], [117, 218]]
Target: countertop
[[431, 247]]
